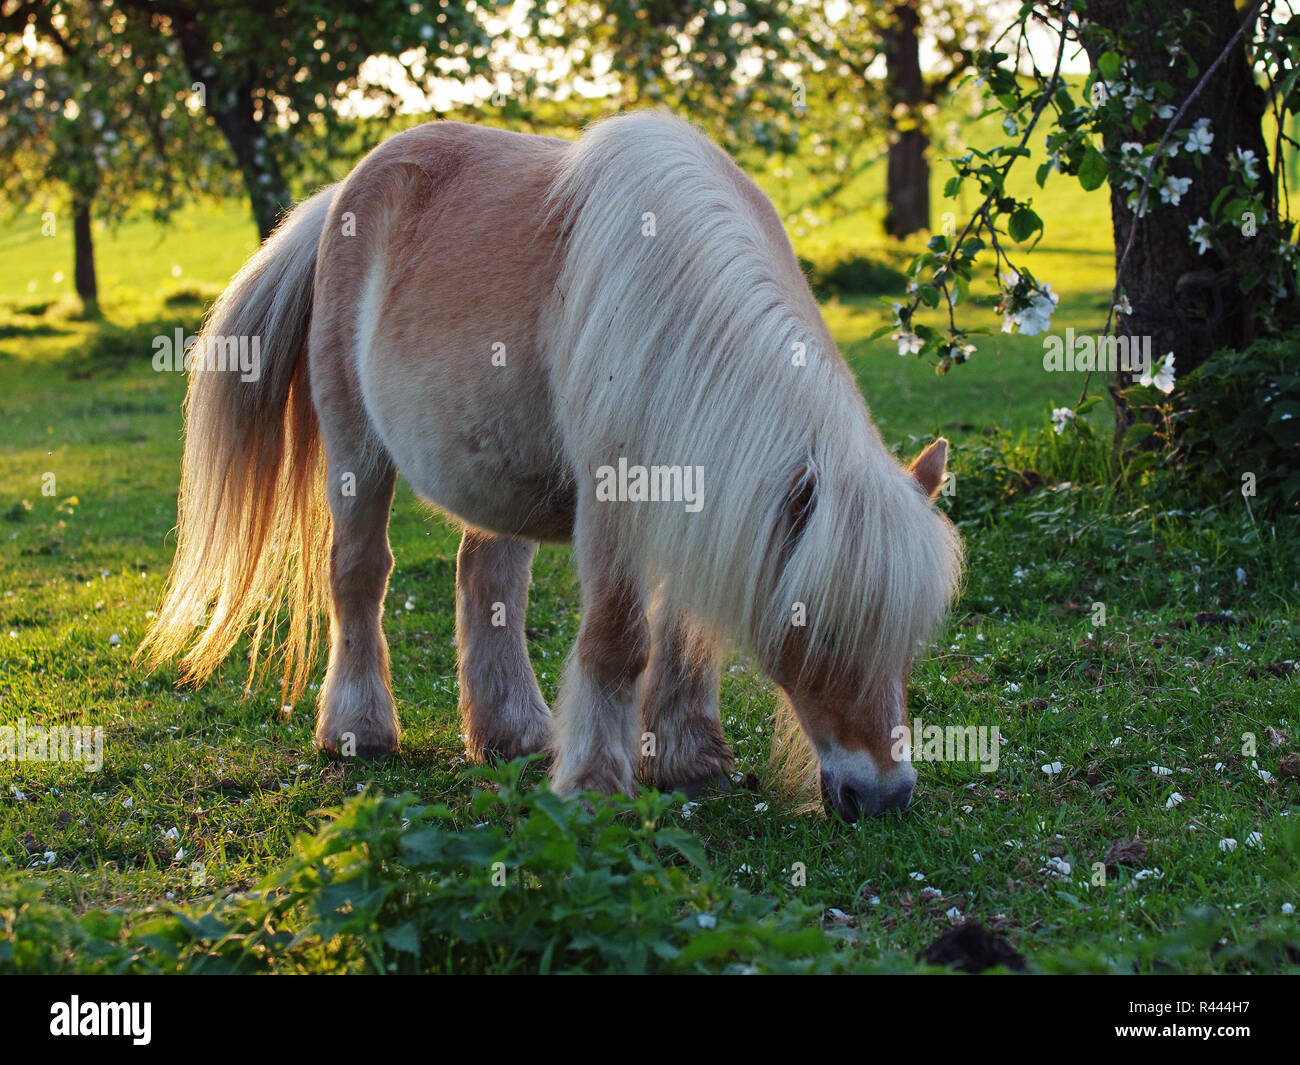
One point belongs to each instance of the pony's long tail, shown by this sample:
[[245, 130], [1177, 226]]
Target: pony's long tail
[[253, 527]]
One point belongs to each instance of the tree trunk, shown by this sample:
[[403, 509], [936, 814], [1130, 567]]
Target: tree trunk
[[229, 100], [1186, 303], [83, 271], [268, 192], [907, 182]]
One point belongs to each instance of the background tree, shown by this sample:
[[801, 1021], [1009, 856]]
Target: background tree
[[1173, 124], [272, 76], [872, 55], [1148, 58], [1172, 121], [733, 68], [781, 77], [91, 122]]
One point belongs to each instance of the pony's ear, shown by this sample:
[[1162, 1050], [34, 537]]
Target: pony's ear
[[929, 465]]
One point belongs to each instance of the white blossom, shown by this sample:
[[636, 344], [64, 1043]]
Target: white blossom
[[1036, 315], [1247, 162], [1163, 378], [1199, 232], [1057, 867], [1171, 192], [1199, 137], [908, 342], [1136, 202]]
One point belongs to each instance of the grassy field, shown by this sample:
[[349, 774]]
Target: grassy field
[[1167, 732]]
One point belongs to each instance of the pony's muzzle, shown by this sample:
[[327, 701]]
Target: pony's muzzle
[[852, 799]]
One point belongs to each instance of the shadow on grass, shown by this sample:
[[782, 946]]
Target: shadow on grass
[[14, 331], [111, 349]]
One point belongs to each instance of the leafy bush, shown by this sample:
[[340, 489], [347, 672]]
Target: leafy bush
[[389, 885], [193, 297], [36, 937], [854, 275], [1240, 413], [997, 470]]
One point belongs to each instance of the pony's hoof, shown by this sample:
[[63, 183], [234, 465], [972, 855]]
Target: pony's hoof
[[514, 736], [373, 752], [492, 751], [350, 747], [715, 783], [603, 782], [541, 761]]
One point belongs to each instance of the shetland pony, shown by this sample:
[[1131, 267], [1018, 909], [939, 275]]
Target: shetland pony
[[502, 318]]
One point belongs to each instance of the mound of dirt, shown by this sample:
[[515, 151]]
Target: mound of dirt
[[972, 948]]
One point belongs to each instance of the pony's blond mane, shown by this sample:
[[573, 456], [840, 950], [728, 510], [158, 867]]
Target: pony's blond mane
[[678, 349]]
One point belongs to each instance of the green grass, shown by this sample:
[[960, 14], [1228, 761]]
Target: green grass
[[203, 792]]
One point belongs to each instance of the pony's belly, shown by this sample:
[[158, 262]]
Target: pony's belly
[[536, 508], [477, 474]]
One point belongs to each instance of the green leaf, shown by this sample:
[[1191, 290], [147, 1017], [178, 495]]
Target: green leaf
[[1144, 460], [1137, 432], [404, 938], [1093, 169], [1023, 224], [1109, 65], [1285, 411], [1233, 210], [424, 846]]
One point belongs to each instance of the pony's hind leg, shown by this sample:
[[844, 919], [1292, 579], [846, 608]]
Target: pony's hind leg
[[682, 748], [596, 717], [356, 713], [501, 706]]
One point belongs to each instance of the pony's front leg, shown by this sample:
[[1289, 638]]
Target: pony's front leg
[[682, 748], [357, 716], [596, 717], [501, 706]]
